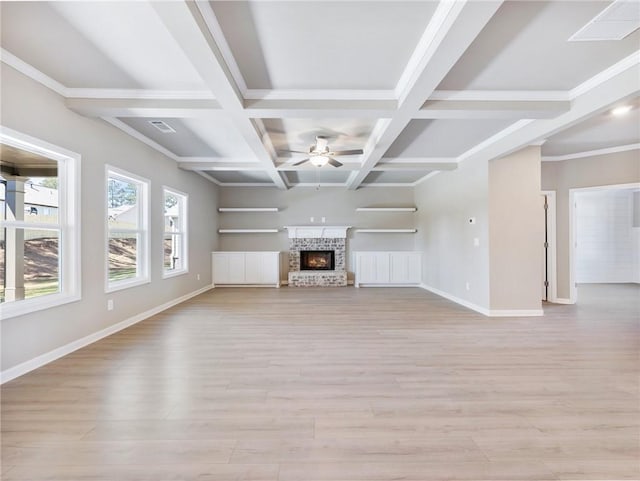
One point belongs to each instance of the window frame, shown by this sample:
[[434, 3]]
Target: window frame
[[184, 232], [68, 225], [142, 232]]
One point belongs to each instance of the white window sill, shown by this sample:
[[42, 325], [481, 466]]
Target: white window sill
[[126, 284], [170, 274], [27, 306]]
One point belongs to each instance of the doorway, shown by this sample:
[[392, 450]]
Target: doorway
[[604, 236]]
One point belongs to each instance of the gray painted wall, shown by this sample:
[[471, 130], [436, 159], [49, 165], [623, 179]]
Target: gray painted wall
[[299, 204], [613, 169], [445, 204], [516, 231], [32, 109]]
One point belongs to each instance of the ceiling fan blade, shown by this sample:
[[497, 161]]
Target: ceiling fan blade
[[348, 152], [334, 162], [294, 151], [301, 161]]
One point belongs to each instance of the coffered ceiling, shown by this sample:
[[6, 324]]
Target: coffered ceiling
[[420, 86]]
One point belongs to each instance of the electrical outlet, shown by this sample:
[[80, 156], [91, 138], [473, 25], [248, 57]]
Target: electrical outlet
[[468, 286], [311, 219], [323, 220], [198, 276], [110, 305], [476, 241]]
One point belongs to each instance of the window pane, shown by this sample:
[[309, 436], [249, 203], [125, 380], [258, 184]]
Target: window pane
[[122, 203], [41, 200], [172, 208], [123, 255], [29, 266], [173, 253]]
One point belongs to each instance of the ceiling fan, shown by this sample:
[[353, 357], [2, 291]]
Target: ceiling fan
[[320, 154]]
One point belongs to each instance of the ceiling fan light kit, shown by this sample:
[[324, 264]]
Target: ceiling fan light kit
[[320, 154]]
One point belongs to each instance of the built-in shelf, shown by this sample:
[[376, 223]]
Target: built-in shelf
[[387, 231], [247, 209], [386, 209], [247, 231]]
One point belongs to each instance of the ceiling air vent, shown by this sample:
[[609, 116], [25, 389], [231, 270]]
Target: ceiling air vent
[[615, 22], [162, 126]]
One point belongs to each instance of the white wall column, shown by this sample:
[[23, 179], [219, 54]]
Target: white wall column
[[516, 232]]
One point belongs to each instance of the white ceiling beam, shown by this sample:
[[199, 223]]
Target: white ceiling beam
[[620, 87], [184, 20], [208, 108], [453, 28], [145, 108], [313, 108], [381, 167], [493, 109], [414, 166], [220, 166]]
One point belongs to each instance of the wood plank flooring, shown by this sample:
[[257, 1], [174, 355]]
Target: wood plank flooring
[[338, 384]]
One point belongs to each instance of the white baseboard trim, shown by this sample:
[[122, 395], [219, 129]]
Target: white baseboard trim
[[457, 300], [39, 361], [483, 310], [286, 283], [516, 313], [562, 300]]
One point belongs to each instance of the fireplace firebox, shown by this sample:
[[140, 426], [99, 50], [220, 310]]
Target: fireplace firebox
[[317, 260]]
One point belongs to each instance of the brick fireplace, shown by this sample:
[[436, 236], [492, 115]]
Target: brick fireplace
[[305, 239]]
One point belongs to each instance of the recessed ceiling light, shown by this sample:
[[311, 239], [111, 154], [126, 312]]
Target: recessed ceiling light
[[623, 109]]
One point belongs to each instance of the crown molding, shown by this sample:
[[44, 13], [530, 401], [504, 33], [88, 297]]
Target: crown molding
[[426, 177], [207, 176], [591, 153], [142, 138], [32, 72]]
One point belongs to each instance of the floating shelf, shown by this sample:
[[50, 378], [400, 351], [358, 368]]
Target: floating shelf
[[247, 231], [386, 209], [247, 209], [387, 231]]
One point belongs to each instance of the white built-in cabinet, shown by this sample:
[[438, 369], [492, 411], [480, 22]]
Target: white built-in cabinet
[[388, 268], [246, 268]]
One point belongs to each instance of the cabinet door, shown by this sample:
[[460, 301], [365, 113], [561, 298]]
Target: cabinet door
[[253, 267], [270, 268], [220, 264], [372, 268], [262, 267], [236, 268], [415, 268], [404, 268]]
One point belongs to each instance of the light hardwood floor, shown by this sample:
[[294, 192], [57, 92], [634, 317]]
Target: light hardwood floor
[[338, 384]]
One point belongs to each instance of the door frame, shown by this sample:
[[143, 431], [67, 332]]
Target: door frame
[[573, 289], [552, 265]]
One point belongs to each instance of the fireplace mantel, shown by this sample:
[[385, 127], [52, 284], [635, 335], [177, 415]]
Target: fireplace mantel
[[317, 231]]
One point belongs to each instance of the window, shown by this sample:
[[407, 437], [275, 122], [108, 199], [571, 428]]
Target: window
[[127, 229], [174, 240], [39, 225]]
